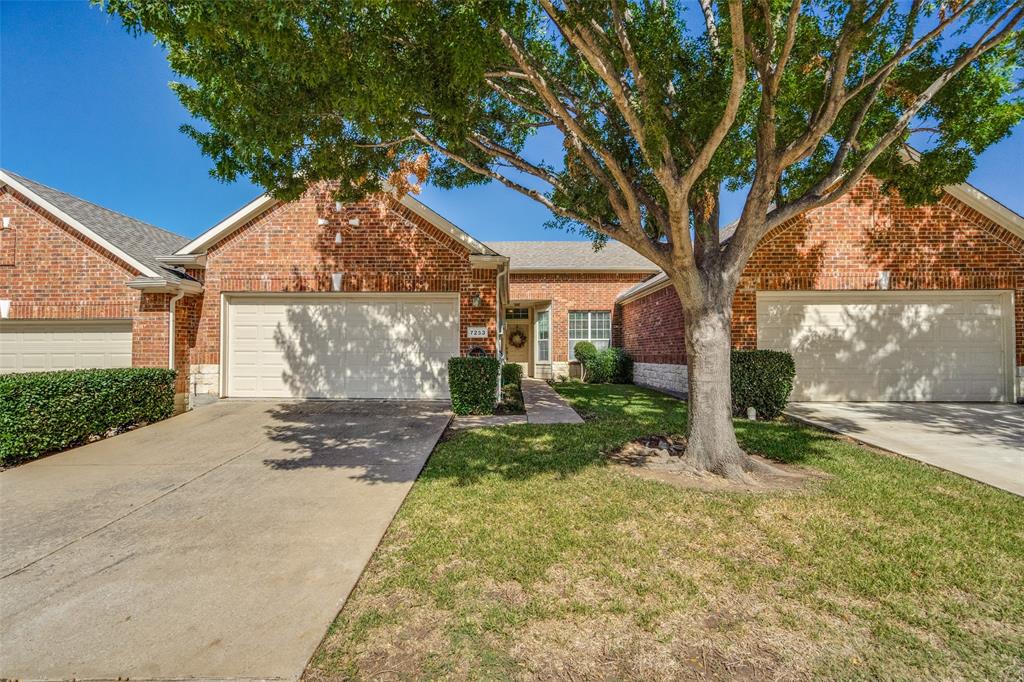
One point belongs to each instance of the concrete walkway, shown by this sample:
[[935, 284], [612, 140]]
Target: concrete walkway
[[544, 406], [983, 441], [217, 544]]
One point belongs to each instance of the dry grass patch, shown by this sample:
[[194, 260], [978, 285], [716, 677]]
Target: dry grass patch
[[523, 553], [662, 458]]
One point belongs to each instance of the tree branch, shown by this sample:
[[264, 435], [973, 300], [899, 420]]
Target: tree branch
[[702, 160], [821, 197], [621, 190]]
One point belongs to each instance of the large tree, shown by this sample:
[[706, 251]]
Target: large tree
[[658, 105]]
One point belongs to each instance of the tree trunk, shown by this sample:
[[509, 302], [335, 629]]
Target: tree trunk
[[711, 440]]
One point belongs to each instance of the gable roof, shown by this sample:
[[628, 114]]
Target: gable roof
[[264, 202], [572, 256], [967, 194], [133, 241]]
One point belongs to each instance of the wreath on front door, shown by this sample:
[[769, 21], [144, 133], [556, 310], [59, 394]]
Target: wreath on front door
[[517, 338]]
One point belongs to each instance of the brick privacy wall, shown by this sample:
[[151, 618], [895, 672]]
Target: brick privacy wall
[[392, 250], [843, 246], [573, 291]]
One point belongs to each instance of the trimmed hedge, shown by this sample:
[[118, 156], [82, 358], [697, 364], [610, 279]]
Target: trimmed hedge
[[43, 412], [609, 365], [473, 383], [762, 379], [511, 374], [586, 353]]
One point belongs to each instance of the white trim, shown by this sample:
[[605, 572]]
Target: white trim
[[988, 207], [438, 221], [6, 179], [586, 269], [487, 261], [156, 285], [222, 361], [170, 328], [228, 225], [265, 202], [590, 329], [535, 346], [192, 260], [645, 288]]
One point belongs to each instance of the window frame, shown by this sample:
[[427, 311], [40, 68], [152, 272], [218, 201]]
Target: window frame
[[538, 316], [590, 329]]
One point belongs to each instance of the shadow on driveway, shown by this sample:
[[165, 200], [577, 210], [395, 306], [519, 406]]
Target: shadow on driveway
[[216, 544]]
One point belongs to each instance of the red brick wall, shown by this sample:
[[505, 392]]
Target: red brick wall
[[49, 271], [652, 328], [392, 250], [572, 291], [843, 246]]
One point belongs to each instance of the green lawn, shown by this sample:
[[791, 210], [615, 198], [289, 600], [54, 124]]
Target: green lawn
[[521, 553]]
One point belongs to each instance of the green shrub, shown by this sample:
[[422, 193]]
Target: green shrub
[[43, 412], [623, 366], [601, 368], [609, 365], [511, 374], [473, 383], [762, 379], [585, 352]]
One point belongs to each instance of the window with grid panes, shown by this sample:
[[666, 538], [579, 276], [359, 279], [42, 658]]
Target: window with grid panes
[[589, 325]]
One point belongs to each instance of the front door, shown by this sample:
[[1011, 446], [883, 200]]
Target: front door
[[517, 337]]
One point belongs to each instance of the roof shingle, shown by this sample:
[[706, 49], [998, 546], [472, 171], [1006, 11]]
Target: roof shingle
[[139, 240], [572, 256]]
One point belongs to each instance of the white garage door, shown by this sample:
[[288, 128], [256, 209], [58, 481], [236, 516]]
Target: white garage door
[[371, 346], [37, 346], [899, 346]]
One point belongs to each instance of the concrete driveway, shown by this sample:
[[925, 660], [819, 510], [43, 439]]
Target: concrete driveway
[[217, 544], [983, 441]]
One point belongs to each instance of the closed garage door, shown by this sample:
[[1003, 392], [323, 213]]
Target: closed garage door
[[36, 346], [374, 346], [898, 346]]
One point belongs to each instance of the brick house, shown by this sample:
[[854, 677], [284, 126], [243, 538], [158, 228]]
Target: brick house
[[876, 300], [561, 293], [80, 285], [368, 300]]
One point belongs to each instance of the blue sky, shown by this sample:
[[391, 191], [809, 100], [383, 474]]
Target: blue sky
[[85, 108]]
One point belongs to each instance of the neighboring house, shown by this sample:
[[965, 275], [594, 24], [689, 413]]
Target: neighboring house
[[80, 285], [315, 299], [877, 301]]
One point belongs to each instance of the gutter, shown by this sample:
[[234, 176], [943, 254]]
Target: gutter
[[157, 285]]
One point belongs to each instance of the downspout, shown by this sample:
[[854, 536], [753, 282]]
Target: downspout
[[499, 318], [170, 328]]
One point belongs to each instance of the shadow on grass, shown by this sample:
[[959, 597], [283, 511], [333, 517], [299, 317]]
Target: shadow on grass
[[615, 415]]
